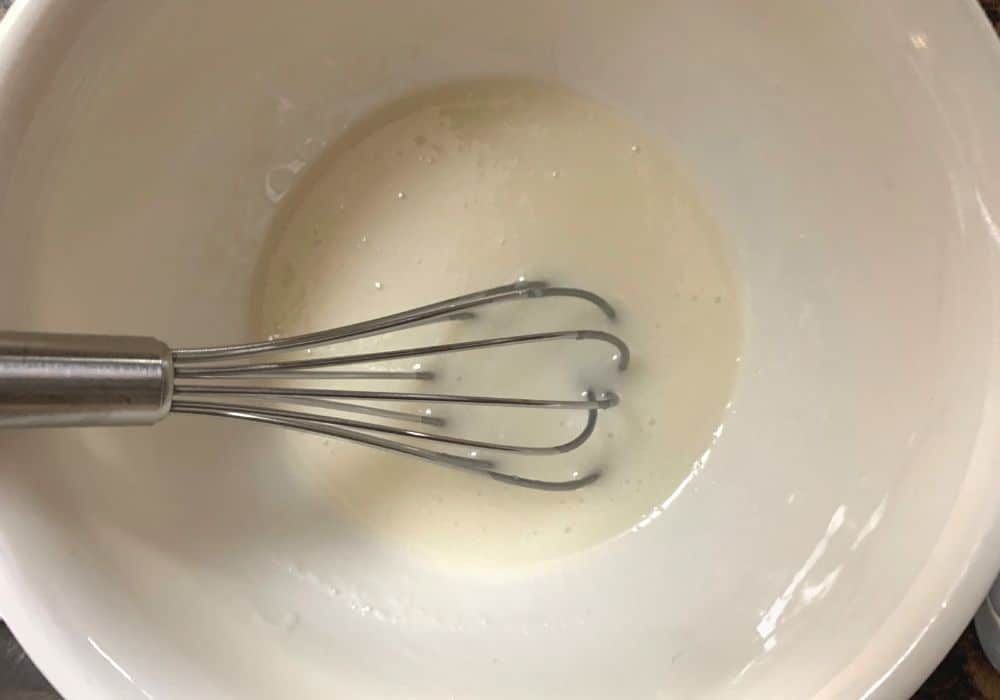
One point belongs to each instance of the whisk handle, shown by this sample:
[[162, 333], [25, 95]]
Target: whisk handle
[[62, 380]]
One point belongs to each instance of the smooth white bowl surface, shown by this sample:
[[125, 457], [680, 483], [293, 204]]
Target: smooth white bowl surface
[[834, 543]]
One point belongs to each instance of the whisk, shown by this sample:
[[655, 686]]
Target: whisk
[[61, 380]]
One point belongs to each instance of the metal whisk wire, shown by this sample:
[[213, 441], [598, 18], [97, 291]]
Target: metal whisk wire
[[193, 367]]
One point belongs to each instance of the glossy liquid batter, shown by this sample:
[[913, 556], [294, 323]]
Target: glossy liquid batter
[[477, 185]]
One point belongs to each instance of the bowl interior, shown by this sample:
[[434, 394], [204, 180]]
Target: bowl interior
[[851, 480]]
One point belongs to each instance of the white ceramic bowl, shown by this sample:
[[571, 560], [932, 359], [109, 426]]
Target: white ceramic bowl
[[835, 542]]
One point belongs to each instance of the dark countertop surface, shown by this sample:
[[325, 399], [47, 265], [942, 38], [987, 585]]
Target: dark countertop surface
[[965, 674]]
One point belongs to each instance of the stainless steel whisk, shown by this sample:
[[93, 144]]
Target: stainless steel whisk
[[60, 380]]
